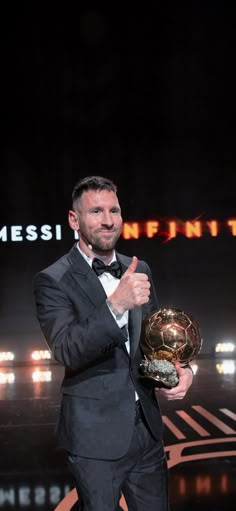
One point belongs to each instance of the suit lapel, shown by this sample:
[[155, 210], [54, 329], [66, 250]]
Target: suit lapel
[[86, 277]]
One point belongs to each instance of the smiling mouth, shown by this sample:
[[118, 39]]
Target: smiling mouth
[[107, 232]]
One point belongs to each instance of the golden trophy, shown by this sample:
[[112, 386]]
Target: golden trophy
[[168, 335]]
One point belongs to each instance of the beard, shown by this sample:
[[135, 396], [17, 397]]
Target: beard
[[102, 245]]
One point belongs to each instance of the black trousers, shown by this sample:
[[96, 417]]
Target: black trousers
[[141, 475]]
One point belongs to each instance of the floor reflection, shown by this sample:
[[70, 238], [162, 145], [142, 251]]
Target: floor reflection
[[203, 485], [33, 493], [199, 436]]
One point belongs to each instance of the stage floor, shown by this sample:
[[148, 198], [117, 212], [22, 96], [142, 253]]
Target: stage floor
[[199, 437]]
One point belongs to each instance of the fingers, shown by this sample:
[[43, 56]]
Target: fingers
[[132, 267], [178, 392]]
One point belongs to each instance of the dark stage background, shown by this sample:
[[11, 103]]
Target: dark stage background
[[144, 97]]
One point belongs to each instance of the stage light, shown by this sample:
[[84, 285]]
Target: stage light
[[6, 378], [41, 355], [6, 356], [41, 376], [226, 348], [226, 367]]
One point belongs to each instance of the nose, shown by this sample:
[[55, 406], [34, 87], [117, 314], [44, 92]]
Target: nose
[[107, 219]]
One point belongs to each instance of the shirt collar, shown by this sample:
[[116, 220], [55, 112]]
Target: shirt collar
[[89, 260]]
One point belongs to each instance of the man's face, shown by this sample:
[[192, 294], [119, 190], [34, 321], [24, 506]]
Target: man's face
[[99, 220]]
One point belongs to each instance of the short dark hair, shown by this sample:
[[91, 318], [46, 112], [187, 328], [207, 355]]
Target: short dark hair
[[92, 183]]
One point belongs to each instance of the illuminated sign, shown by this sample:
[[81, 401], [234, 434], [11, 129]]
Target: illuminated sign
[[167, 229], [30, 232], [25, 495]]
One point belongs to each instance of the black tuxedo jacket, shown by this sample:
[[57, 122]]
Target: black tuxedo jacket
[[97, 413]]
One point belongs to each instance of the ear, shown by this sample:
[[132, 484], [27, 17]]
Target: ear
[[73, 220]]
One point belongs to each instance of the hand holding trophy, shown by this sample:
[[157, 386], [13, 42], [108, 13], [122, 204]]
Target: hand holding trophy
[[168, 335]]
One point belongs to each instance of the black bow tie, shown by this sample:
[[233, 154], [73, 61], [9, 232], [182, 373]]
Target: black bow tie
[[114, 268]]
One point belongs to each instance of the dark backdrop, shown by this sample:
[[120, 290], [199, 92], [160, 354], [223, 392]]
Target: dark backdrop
[[145, 97]]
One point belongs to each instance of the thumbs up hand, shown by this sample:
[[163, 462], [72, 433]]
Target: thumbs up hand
[[132, 291], [132, 267]]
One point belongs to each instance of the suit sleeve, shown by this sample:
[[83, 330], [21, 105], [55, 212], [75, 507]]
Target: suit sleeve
[[74, 343]]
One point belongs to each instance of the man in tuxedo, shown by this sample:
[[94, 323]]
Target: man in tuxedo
[[90, 305]]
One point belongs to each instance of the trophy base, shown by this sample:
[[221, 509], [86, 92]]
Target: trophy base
[[159, 373]]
